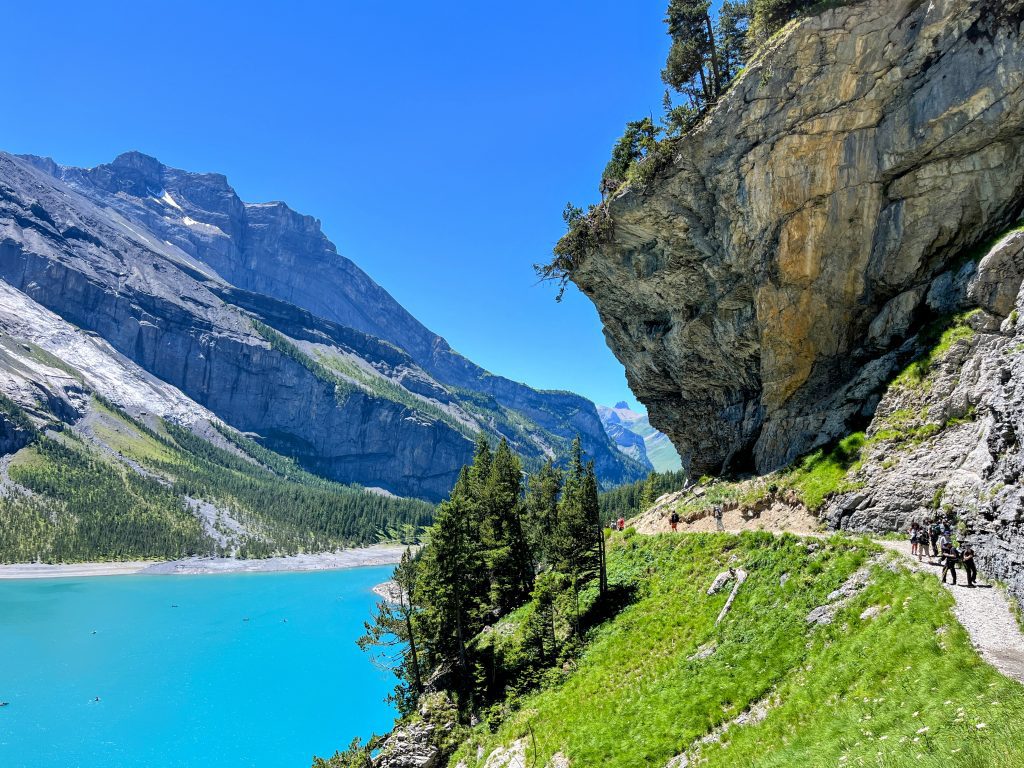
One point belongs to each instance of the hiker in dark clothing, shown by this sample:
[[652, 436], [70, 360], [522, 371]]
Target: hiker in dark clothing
[[673, 520], [934, 531], [949, 558], [969, 566]]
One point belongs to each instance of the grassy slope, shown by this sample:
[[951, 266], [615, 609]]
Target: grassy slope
[[853, 693]]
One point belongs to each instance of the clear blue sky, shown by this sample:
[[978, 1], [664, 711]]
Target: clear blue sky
[[437, 142]]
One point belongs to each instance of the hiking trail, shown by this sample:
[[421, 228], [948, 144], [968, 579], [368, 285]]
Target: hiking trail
[[985, 612]]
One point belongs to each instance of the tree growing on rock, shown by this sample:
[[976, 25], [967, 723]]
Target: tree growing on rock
[[391, 634]]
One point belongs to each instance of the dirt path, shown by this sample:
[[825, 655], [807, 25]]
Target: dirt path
[[986, 615]]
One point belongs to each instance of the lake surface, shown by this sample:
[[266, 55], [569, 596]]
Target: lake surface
[[187, 686]]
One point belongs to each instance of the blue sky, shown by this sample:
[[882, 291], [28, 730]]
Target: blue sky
[[437, 142]]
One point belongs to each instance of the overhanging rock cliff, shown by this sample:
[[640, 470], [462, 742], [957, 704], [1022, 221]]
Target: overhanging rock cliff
[[759, 289]]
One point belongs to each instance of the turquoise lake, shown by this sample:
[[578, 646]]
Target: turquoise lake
[[187, 686]]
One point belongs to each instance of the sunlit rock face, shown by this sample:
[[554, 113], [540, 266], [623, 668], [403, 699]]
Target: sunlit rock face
[[759, 288]]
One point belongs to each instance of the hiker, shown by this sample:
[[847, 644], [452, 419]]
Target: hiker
[[915, 539], [949, 558], [673, 521], [945, 542], [933, 535], [719, 517], [622, 523], [969, 566]]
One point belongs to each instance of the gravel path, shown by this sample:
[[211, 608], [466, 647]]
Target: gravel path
[[986, 615]]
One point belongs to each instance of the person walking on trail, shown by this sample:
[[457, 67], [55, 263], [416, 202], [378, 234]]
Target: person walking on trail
[[673, 521], [933, 534], [970, 568], [622, 523], [945, 541], [915, 540], [949, 558]]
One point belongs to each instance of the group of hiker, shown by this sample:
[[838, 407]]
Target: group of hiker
[[934, 540]]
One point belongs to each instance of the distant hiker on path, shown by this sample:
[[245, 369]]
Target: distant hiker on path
[[969, 566], [673, 521], [933, 535], [622, 523], [915, 540], [949, 558]]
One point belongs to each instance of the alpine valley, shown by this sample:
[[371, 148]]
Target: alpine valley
[[205, 359]]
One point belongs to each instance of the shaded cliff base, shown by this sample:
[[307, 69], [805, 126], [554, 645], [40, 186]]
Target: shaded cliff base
[[826, 652]]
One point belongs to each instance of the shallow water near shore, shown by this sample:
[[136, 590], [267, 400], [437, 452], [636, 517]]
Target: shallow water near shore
[[211, 670]]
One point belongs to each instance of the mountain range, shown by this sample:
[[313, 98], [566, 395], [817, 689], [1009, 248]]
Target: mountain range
[[634, 436], [163, 293]]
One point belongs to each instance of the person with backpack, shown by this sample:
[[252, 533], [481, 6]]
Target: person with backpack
[[915, 540], [622, 523], [945, 541], [970, 568], [949, 558], [934, 531], [673, 521]]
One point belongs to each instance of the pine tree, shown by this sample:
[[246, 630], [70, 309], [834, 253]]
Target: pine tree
[[502, 537], [451, 582], [392, 629], [694, 52], [578, 541], [733, 26], [545, 486], [592, 509]]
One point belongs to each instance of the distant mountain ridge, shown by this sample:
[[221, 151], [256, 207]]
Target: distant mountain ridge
[[249, 312], [634, 436]]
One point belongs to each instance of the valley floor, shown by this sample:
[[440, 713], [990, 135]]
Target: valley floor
[[382, 554]]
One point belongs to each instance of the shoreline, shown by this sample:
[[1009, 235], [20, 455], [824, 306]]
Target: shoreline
[[358, 557]]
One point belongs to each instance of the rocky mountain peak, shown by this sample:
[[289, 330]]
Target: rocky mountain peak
[[132, 173]]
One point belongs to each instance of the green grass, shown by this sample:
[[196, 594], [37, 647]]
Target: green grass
[[122, 435], [853, 693], [823, 473], [939, 338]]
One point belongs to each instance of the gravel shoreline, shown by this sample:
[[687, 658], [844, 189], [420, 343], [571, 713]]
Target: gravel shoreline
[[381, 554]]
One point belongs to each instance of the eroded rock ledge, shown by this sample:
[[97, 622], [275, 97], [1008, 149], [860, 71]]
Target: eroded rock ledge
[[759, 289]]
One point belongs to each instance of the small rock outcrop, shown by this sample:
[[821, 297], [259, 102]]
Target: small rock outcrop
[[409, 746], [760, 288], [418, 742]]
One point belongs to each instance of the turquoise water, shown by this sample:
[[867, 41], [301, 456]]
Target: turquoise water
[[187, 686]]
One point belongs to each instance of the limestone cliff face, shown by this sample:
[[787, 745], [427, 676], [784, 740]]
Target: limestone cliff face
[[760, 288]]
